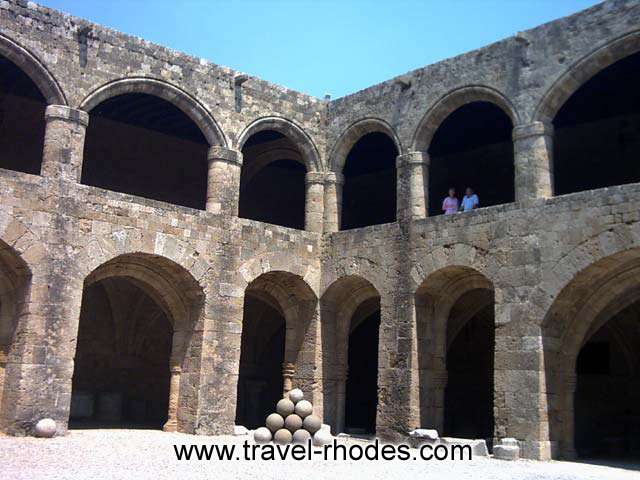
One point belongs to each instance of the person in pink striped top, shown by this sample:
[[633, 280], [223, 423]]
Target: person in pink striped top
[[450, 204]]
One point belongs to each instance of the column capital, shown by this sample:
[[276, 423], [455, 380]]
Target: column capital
[[315, 178], [413, 158], [175, 369], [533, 129], [334, 177], [62, 112], [218, 153]]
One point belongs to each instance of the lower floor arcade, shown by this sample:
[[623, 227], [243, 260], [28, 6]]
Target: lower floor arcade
[[138, 349]]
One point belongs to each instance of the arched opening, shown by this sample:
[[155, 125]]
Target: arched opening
[[272, 181], [278, 309], [607, 398], [472, 148], [469, 363], [362, 369], [143, 145], [597, 131], [369, 191], [14, 281], [22, 123], [134, 346], [260, 384], [350, 340], [592, 340], [456, 336], [121, 375]]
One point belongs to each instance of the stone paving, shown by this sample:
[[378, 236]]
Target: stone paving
[[147, 454]]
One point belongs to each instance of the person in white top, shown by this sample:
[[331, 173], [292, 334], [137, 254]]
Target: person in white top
[[470, 201]]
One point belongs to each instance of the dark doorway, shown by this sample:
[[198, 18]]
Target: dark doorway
[[468, 409], [260, 384], [472, 148], [369, 192], [22, 122], [597, 131], [146, 146], [607, 397], [362, 379], [272, 183], [121, 375]]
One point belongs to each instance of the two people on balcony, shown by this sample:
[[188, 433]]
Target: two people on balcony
[[451, 205]]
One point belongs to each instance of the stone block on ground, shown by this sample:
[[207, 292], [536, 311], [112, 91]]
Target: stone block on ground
[[507, 449], [478, 446]]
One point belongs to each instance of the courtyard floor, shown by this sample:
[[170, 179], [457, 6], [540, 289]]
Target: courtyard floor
[[148, 454]]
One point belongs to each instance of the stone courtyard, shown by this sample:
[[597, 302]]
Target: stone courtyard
[[181, 244]]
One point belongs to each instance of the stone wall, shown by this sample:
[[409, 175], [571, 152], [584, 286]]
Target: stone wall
[[539, 256]]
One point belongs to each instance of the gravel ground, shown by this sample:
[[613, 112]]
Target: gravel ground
[[146, 454]]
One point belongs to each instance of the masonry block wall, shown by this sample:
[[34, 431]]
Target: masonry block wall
[[540, 275]]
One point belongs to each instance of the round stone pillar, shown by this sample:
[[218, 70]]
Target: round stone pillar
[[174, 396], [288, 372], [64, 142], [223, 180], [533, 154], [567, 447], [314, 202], [437, 383], [413, 186], [333, 201]]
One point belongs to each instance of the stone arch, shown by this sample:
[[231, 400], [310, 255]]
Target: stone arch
[[581, 71], [277, 345], [289, 129], [15, 280], [190, 105], [178, 294], [446, 302], [594, 295], [345, 304], [101, 249], [453, 100], [355, 132], [35, 69]]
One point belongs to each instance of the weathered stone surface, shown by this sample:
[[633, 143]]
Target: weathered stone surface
[[539, 257]]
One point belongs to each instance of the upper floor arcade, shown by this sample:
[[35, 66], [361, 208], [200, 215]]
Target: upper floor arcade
[[542, 114]]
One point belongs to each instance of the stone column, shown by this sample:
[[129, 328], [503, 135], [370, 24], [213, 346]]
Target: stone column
[[314, 202], [533, 154], [288, 372], [413, 185], [223, 180], [436, 383], [64, 142], [567, 447], [341, 399], [333, 201], [174, 397]]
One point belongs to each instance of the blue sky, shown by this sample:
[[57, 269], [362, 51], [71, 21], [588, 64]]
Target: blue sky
[[317, 47]]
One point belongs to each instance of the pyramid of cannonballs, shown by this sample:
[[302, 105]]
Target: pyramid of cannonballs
[[293, 422]]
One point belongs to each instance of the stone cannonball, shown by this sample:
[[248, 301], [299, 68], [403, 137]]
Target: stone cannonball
[[312, 424], [301, 436], [304, 408], [321, 437], [283, 436], [262, 435], [275, 422], [45, 428], [293, 422], [296, 395], [285, 407]]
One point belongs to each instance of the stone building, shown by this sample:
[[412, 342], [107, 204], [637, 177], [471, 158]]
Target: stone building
[[180, 242]]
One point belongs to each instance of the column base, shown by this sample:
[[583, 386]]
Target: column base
[[170, 426]]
